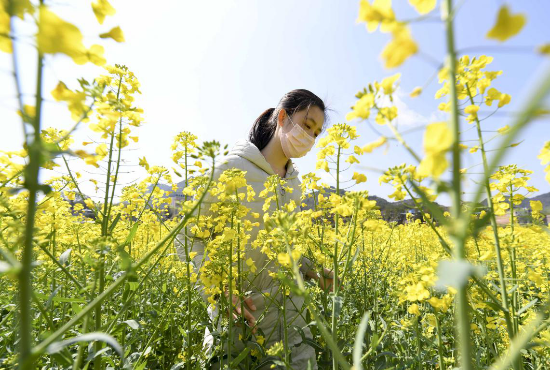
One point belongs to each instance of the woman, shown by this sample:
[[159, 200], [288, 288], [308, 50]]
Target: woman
[[279, 134]]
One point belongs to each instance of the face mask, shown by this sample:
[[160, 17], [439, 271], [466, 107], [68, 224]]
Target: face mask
[[296, 143]]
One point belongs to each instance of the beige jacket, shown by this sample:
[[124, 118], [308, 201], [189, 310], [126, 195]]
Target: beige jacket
[[265, 291], [246, 156]]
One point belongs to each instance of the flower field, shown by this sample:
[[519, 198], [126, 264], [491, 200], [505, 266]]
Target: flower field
[[121, 283]]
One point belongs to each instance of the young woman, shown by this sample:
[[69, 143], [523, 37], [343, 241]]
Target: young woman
[[279, 134]]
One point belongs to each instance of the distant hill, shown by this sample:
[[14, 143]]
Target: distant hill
[[391, 211], [543, 198], [395, 211]]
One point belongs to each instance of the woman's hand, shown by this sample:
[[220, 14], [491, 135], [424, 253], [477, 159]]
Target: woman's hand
[[325, 280], [251, 321]]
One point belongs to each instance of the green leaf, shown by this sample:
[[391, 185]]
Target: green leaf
[[64, 257], [310, 342], [513, 289], [359, 338], [456, 273], [374, 341], [141, 366], [132, 323], [436, 211], [60, 299], [527, 306], [493, 305], [132, 234], [338, 304], [6, 268], [301, 332], [76, 308], [271, 360], [178, 366], [62, 359], [239, 358], [115, 221], [89, 337], [258, 347]]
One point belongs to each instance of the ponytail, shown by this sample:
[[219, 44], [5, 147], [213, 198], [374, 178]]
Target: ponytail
[[263, 129]]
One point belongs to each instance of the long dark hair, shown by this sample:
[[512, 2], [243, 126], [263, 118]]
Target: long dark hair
[[294, 101]]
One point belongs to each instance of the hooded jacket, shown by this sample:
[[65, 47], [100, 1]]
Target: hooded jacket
[[244, 155], [265, 290]]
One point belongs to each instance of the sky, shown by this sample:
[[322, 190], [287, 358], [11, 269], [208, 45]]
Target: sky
[[212, 67]]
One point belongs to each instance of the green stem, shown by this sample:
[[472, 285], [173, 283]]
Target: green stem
[[463, 323], [80, 353], [188, 273], [117, 168], [439, 341], [518, 363], [418, 342], [335, 265], [104, 232], [285, 331], [25, 274], [350, 243], [500, 264], [106, 205], [230, 288], [11, 6]]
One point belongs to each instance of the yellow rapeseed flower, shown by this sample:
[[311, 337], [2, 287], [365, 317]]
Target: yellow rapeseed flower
[[437, 140], [413, 309], [416, 92], [494, 94], [58, 36], [423, 6], [362, 107], [115, 34], [387, 84], [359, 177], [143, 163], [378, 13], [401, 47], [544, 157], [102, 8], [472, 111], [507, 25], [368, 148]]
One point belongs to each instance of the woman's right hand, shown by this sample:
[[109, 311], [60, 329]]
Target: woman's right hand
[[250, 319]]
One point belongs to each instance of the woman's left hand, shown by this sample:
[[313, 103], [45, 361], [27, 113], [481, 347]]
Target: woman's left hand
[[326, 280]]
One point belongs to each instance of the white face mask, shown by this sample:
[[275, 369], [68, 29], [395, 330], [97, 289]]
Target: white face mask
[[296, 142]]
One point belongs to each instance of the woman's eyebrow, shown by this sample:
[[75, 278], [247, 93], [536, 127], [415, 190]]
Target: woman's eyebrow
[[311, 119]]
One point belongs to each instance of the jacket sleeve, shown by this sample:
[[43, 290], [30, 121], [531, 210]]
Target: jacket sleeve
[[194, 243]]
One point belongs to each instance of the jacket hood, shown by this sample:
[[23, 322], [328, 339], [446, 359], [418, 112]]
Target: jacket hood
[[244, 148]]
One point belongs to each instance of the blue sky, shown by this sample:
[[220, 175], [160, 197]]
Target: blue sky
[[212, 67]]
